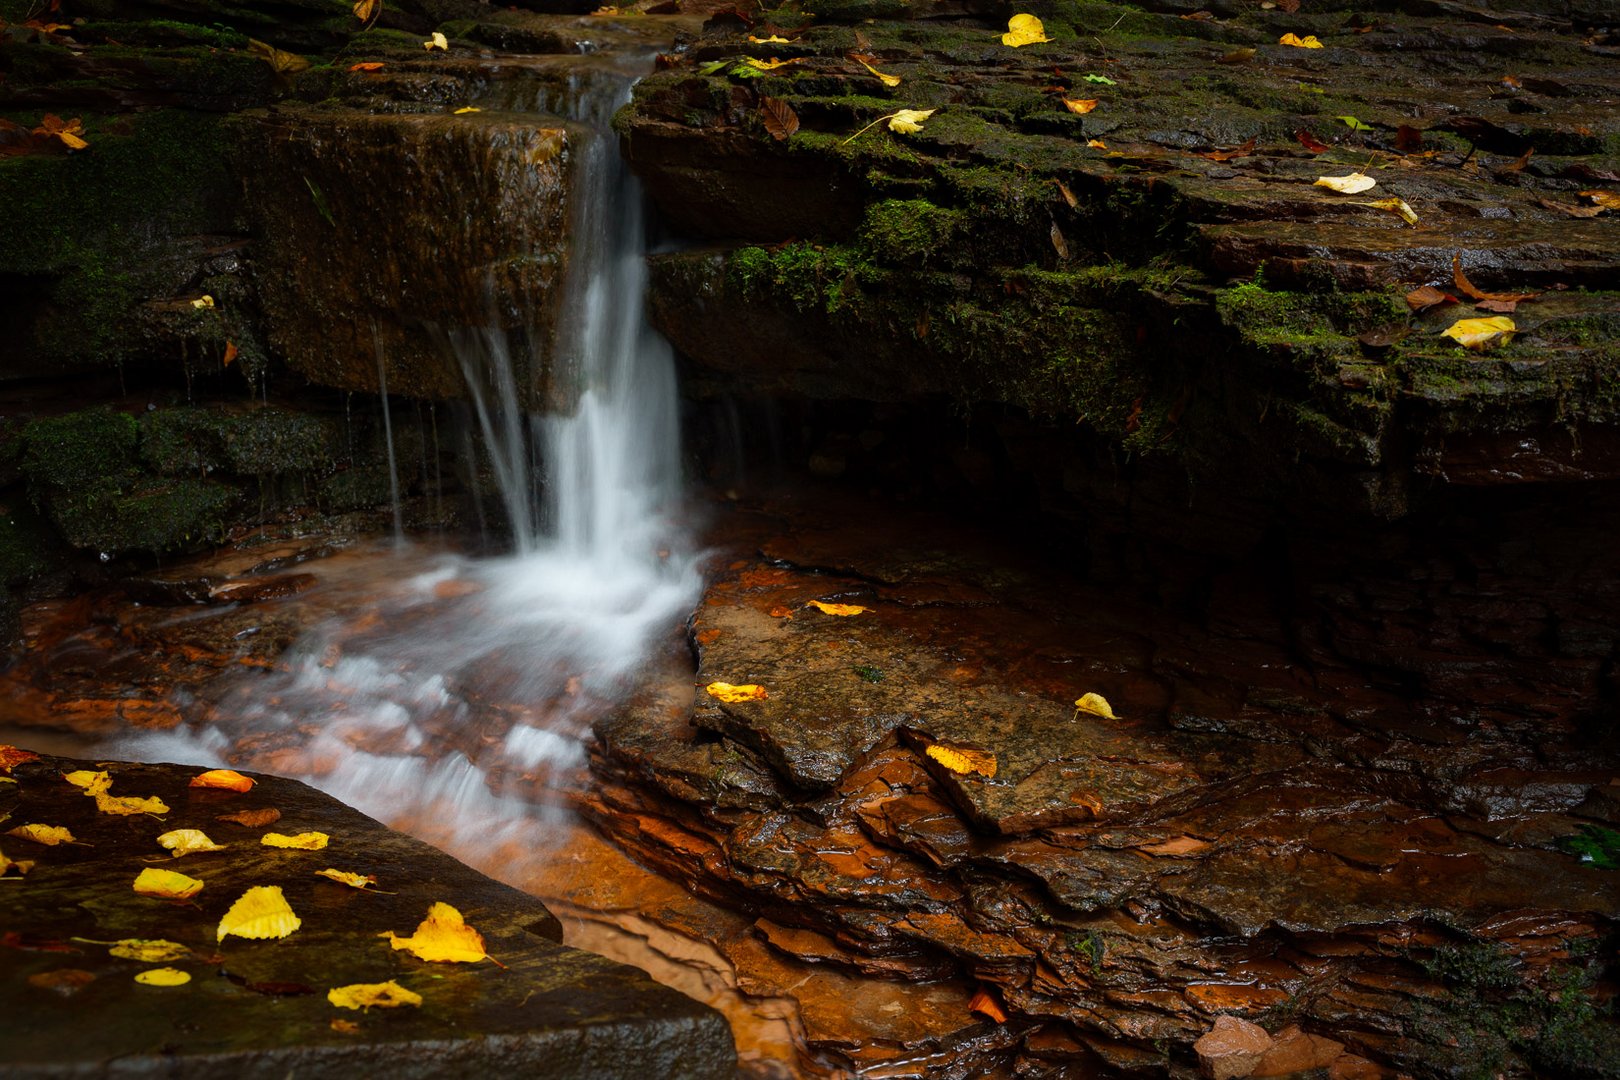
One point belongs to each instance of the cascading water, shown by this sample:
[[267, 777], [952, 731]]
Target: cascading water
[[447, 689]]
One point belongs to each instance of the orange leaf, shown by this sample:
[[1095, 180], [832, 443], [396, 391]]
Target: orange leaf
[[1470, 290], [1427, 296], [228, 779], [253, 819], [230, 354], [1080, 106], [10, 757], [368, 65], [442, 937], [1227, 155], [964, 760], [730, 694], [836, 609]]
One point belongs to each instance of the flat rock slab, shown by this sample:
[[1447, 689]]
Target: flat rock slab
[[259, 1008]]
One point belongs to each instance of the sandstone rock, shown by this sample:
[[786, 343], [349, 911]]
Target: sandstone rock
[[1232, 1048], [1295, 1051]]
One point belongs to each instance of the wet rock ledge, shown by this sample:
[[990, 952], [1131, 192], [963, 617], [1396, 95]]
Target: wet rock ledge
[[259, 1008]]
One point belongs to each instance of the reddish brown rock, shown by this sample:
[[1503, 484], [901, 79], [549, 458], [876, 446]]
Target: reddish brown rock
[[1294, 1051], [1233, 1048]]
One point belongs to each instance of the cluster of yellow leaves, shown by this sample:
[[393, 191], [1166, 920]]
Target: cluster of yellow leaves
[[1307, 42], [1095, 704], [304, 841], [226, 779], [1476, 334], [1024, 30], [387, 995], [261, 912], [187, 841], [836, 609], [163, 976], [49, 835], [964, 760], [731, 695], [443, 937], [97, 784], [166, 884]]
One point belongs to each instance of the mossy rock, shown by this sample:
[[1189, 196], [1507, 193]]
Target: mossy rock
[[255, 442], [80, 450], [155, 516]]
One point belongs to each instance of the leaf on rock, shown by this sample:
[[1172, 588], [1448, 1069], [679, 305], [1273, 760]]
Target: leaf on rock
[[437, 41], [344, 877], [1096, 144], [1100, 80], [1237, 56], [366, 10], [772, 64], [1477, 334], [1060, 244], [261, 912], [93, 783], [253, 819], [884, 77], [163, 976], [909, 121], [1408, 139], [465, 109], [836, 609], [1607, 200], [1397, 205], [774, 39], [368, 65], [1346, 185], [281, 63], [1307, 42], [11, 757], [778, 612], [964, 760], [344, 1027], [1235, 152], [1080, 106], [1425, 297], [22, 866], [1310, 142], [203, 301], [1175, 847], [230, 354], [388, 995], [125, 805], [1353, 124], [1096, 705], [304, 841], [778, 117], [1024, 30], [1503, 307], [1571, 209], [149, 950], [166, 884], [731, 695], [49, 835], [442, 937], [1473, 292], [188, 841], [228, 779], [65, 131]]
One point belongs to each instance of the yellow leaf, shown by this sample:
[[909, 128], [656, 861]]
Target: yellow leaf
[[1298, 42], [388, 995], [443, 936], [366, 10], [1080, 106], [149, 950], [163, 976], [772, 64], [1346, 185], [467, 109], [166, 884], [261, 912], [94, 783], [1396, 205], [203, 301], [888, 80], [1477, 333], [1095, 704], [49, 835], [228, 779], [187, 841], [909, 121], [22, 866], [437, 41], [772, 40], [732, 694], [964, 760], [281, 63], [130, 804], [1024, 30], [11, 757], [1608, 200], [1097, 144], [836, 609], [368, 65], [71, 141], [306, 841], [344, 877]]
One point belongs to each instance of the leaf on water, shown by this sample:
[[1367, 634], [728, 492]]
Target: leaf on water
[[388, 995], [1396, 205], [149, 950], [228, 779], [985, 1005], [203, 301], [964, 760], [125, 805], [1477, 334], [304, 841], [1080, 106], [49, 835], [1307, 42], [836, 609], [1427, 296], [166, 884], [163, 976], [437, 41], [1237, 56], [465, 109], [261, 912], [1346, 185], [885, 78], [253, 819], [1024, 30], [778, 117], [442, 937], [1235, 152], [11, 757], [1353, 124], [731, 695], [94, 783], [188, 841], [281, 63], [1310, 142], [1470, 290], [1096, 705], [368, 65], [344, 877]]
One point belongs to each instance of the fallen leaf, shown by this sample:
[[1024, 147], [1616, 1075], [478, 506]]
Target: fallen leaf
[[985, 1005], [1063, 189], [1095, 704], [1024, 30], [204, 301], [344, 877], [780, 612], [778, 117], [345, 1027], [465, 109], [1520, 162], [1307, 42], [253, 819], [187, 842], [1427, 296], [1608, 200], [1227, 155], [366, 10], [368, 65], [1396, 205], [163, 976], [1096, 144], [1476, 334], [125, 805], [1346, 185], [909, 121], [437, 41], [94, 783], [1353, 124], [442, 937], [281, 63], [1377, 339], [304, 841], [65, 981], [11, 757], [65, 131], [772, 64], [1408, 139], [1289, 6], [1470, 290], [1080, 106], [230, 354], [388, 995], [1237, 56], [732, 694], [1502, 307], [49, 835], [261, 912], [149, 950], [772, 40], [166, 884], [1571, 209], [964, 760], [1310, 142], [836, 609], [22, 866], [1059, 243], [1100, 80], [886, 79], [1176, 846], [228, 779]]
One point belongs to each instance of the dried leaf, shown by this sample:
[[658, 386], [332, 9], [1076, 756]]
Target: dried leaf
[[1607, 200], [442, 937], [1096, 144], [1571, 209], [11, 757], [1175, 847], [366, 10], [253, 819], [22, 866], [344, 877], [778, 117], [985, 1005], [1408, 139], [1024, 30], [1059, 243], [774, 39], [465, 109], [1476, 334], [49, 835], [261, 912], [886, 79], [437, 41], [163, 976], [909, 121], [345, 1027], [228, 779], [166, 884], [125, 805], [732, 694], [281, 63], [1080, 106], [1427, 296], [1308, 42], [1310, 142], [368, 65], [149, 950], [94, 783], [1501, 307], [836, 609], [1396, 205], [304, 841], [65, 131], [388, 995], [187, 842], [203, 301], [65, 981], [1346, 185], [1520, 162], [964, 760], [1237, 56], [780, 612], [1470, 290], [1227, 155], [230, 354], [1095, 704]]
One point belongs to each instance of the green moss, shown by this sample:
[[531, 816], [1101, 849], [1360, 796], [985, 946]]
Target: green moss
[[79, 450], [173, 515], [909, 232], [28, 548]]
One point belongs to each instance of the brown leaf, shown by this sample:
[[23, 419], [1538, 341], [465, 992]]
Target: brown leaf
[[1289, 6], [1237, 56], [1581, 171], [1473, 292], [65, 981], [1059, 244], [779, 118], [1501, 307], [230, 353], [1227, 155], [1520, 162], [1068, 196], [1408, 139], [367, 10], [1571, 209], [1384, 336], [253, 819], [1309, 141], [1425, 297], [11, 757]]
